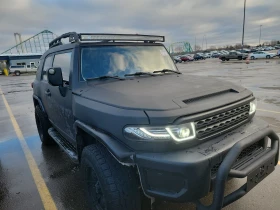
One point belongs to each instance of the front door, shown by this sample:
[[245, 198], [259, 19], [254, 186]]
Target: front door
[[59, 99]]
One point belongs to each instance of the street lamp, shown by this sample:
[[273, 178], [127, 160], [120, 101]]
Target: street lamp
[[260, 34], [243, 24]]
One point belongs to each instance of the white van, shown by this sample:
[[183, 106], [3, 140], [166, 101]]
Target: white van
[[19, 69]]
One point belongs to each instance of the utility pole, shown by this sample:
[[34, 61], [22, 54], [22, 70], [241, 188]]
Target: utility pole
[[195, 44], [260, 34], [243, 24], [206, 41], [202, 42]]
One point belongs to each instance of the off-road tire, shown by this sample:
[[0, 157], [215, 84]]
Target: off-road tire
[[118, 184], [43, 124]]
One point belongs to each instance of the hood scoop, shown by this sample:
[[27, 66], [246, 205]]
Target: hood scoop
[[210, 95]]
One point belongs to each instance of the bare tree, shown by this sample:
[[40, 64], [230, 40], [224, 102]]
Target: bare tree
[[273, 42], [238, 46], [213, 47], [197, 47]]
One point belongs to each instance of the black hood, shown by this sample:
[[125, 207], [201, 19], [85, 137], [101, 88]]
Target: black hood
[[165, 92]]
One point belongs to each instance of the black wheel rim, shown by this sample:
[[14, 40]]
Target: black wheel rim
[[95, 193]]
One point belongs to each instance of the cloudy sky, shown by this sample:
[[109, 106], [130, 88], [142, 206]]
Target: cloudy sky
[[178, 20]]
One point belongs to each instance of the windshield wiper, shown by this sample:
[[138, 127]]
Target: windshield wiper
[[167, 70], [139, 73], [106, 77]]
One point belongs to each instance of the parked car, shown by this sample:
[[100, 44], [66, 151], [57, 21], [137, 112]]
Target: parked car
[[261, 54], [244, 51], [216, 55], [225, 52], [185, 58], [198, 56], [207, 55], [253, 50], [143, 130], [234, 55], [20, 69], [177, 59]]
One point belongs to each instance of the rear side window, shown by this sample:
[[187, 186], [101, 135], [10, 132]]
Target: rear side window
[[16, 67], [63, 61], [47, 65]]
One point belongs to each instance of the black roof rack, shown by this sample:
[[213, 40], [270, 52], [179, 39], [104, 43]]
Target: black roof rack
[[91, 37], [73, 37]]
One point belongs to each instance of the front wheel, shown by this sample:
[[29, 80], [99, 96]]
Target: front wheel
[[223, 59], [253, 58], [268, 56], [109, 185], [43, 124]]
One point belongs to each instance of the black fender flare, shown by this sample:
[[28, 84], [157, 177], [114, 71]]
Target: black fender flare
[[121, 153], [37, 99]]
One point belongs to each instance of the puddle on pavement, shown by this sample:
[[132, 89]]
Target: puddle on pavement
[[271, 88], [272, 101]]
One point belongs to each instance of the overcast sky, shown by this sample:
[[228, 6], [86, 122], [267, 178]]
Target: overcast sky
[[178, 20]]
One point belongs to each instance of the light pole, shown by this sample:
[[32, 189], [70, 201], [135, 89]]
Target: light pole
[[260, 34], [243, 24]]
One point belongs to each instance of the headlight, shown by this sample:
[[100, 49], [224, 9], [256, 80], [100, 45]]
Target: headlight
[[178, 133], [253, 107]]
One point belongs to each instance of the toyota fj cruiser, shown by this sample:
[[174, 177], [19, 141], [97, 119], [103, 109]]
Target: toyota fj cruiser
[[118, 105]]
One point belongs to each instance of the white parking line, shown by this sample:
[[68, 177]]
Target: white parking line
[[264, 110]]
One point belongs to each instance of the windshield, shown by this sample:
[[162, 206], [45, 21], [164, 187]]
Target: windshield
[[120, 60]]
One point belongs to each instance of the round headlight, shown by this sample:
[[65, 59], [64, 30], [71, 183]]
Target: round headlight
[[183, 132]]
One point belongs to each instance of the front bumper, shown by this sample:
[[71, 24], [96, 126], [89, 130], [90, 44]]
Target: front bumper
[[185, 175]]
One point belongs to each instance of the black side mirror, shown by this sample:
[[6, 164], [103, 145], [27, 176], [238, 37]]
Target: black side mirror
[[55, 76]]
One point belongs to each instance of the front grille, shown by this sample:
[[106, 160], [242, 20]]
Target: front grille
[[221, 121], [247, 152]]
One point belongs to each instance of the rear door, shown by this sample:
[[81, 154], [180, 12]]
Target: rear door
[[232, 55], [262, 55]]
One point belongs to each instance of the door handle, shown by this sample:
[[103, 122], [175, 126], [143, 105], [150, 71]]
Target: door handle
[[48, 92]]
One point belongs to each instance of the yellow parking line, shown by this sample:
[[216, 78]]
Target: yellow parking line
[[45, 195], [264, 110]]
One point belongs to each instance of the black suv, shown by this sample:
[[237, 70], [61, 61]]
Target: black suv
[[118, 106]]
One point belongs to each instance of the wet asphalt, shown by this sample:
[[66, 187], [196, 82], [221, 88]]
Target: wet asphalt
[[62, 177]]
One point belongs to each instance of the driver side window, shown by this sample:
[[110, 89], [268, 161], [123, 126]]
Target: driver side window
[[47, 65]]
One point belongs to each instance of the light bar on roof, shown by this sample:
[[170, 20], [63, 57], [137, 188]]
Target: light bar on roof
[[120, 37]]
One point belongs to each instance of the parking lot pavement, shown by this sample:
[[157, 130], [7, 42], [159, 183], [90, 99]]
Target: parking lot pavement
[[62, 179]]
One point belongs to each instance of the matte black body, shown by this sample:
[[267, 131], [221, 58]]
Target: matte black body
[[103, 108]]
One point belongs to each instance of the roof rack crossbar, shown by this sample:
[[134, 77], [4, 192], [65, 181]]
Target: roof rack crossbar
[[89, 37], [73, 37]]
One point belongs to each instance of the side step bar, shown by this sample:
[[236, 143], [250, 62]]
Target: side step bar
[[64, 144]]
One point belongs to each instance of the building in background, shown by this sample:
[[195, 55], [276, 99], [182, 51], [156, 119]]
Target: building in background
[[26, 61], [26, 53]]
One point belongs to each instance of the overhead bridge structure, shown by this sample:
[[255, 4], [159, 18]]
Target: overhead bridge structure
[[180, 47], [36, 44]]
